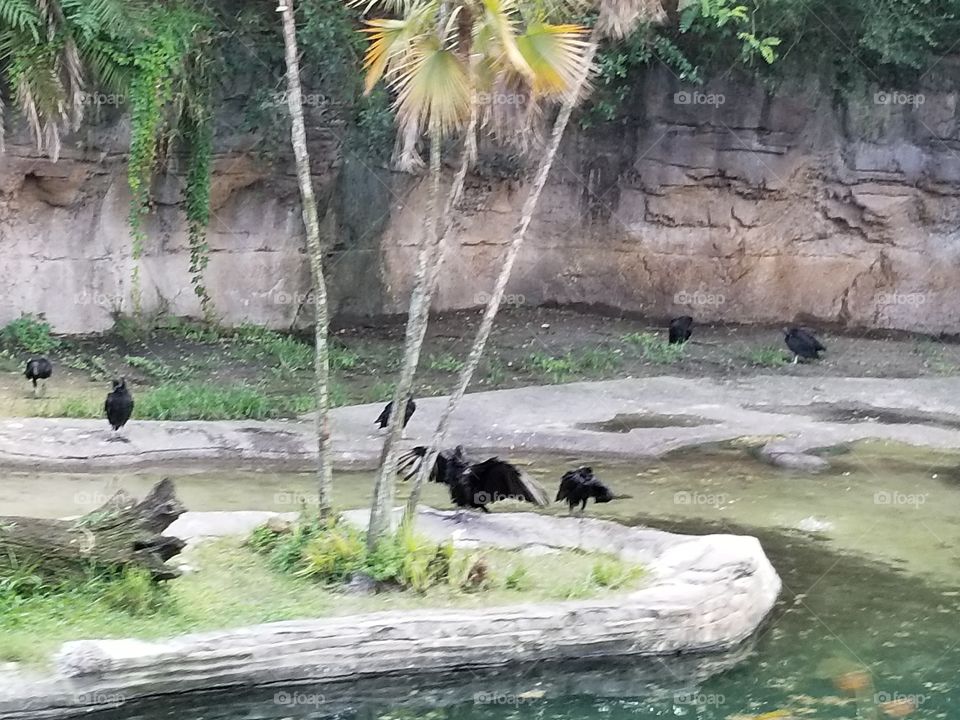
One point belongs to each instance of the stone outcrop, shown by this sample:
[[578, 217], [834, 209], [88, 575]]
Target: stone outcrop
[[705, 594], [724, 202]]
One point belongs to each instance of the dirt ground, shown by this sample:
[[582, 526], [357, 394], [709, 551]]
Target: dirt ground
[[529, 346]]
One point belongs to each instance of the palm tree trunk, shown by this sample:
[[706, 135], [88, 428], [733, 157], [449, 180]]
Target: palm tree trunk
[[384, 488], [496, 297], [321, 365]]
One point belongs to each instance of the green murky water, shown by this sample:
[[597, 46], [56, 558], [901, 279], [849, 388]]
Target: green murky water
[[869, 553]]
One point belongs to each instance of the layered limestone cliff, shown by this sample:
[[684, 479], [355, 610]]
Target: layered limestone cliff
[[725, 202]]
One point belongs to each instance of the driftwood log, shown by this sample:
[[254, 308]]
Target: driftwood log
[[121, 534]]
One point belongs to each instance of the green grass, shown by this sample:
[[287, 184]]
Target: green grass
[[153, 368], [561, 368], [766, 356], [29, 334], [193, 401], [654, 348], [236, 586], [444, 363]]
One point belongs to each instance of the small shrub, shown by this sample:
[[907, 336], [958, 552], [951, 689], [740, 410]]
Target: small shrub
[[654, 348], [333, 554], [30, 334]]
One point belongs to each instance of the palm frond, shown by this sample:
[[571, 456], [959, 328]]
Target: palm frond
[[618, 18], [556, 54], [500, 25], [432, 88]]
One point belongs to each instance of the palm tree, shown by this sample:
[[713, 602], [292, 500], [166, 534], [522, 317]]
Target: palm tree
[[312, 223], [47, 47], [438, 56], [616, 19]]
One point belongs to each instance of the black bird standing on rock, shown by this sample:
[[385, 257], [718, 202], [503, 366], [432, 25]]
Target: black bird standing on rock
[[384, 418], [802, 344], [681, 328], [578, 486], [38, 369], [474, 485], [119, 404]]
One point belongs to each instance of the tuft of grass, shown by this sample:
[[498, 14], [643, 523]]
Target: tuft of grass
[[255, 344], [444, 363], [30, 334], [153, 368], [654, 348], [572, 365], [342, 358], [194, 401], [612, 573], [766, 356], [73, 407]]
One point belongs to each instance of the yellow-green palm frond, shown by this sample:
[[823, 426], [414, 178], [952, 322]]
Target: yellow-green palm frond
[[618, 18], [433, 87], [389, 42], [500, 28], [556, 54]]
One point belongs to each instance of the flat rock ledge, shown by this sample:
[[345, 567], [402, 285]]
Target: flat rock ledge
[[704, 595]]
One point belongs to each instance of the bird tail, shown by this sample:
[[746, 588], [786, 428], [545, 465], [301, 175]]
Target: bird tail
[[409, 463], [537, 493]]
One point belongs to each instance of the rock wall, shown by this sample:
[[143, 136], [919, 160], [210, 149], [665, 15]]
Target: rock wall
[[731, 204], [727, 203]]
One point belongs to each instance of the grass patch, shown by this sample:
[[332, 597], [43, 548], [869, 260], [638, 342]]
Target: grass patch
[[654, 348], [444, 363], [29, 334], [240, 585], [195, 401], [560, 368], [766, 356]]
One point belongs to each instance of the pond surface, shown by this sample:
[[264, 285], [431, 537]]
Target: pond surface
[[869, 553]]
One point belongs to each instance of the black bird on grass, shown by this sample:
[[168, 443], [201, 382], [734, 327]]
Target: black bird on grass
[[118, 405], [38, 369], [474, 484], [681, 328], [802, 344], [578, 486], [384, 418]]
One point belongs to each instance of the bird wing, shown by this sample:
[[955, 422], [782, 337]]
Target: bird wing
[[384, 416], [568, 484], [494, 479], [408, 464]]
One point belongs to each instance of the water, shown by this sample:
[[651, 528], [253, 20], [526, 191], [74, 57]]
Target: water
[[876, 587]]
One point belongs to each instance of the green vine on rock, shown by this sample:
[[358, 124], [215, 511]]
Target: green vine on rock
[[198, 133]]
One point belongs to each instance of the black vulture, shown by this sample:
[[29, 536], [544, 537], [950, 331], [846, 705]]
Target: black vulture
[[681, 328], [38, 369], [475, 484], [119, 404], [384, 419], [802, 344], [578, 486]]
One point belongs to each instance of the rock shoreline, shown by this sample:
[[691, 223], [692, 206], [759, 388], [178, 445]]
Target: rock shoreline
[[705, 595]]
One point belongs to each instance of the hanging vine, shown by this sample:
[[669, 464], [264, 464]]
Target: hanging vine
[[198, 133], [168, 100]]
